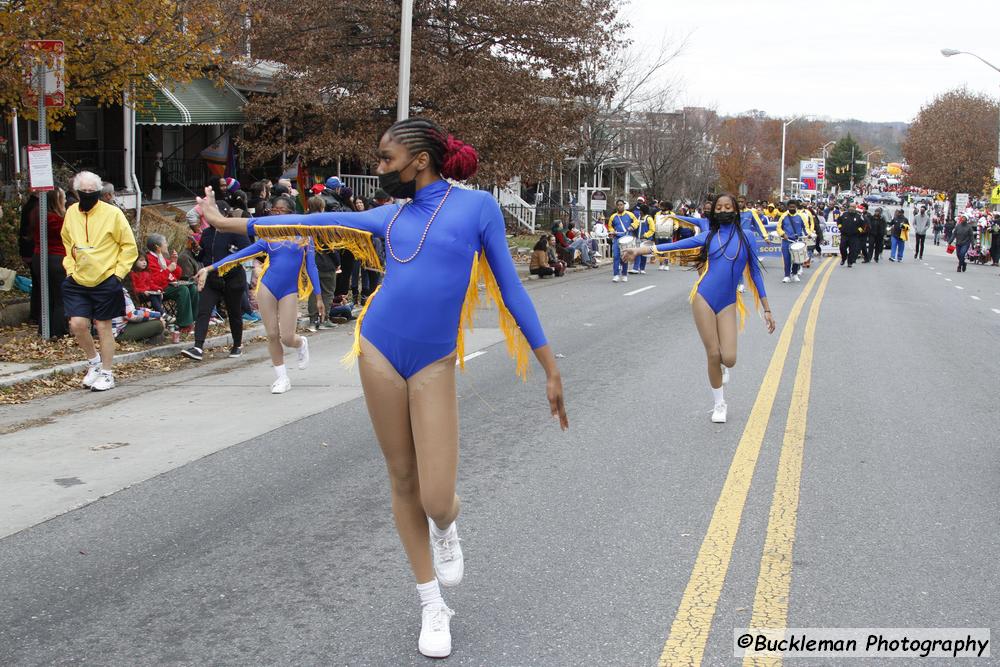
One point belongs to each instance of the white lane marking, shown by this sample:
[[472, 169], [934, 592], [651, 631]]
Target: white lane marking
[[939, 273], [641, 289], [959, 287], [995, 311], [948, 279], [472, 356], [976, 298]]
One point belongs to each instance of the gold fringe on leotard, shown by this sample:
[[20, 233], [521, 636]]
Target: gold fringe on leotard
[[223, 269], [328, 237], [517, 345], [352, 355]]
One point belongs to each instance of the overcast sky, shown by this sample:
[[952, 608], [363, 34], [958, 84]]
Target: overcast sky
[[873, 60]]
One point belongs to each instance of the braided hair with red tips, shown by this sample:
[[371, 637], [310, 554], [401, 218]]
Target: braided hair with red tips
[[451, 158]]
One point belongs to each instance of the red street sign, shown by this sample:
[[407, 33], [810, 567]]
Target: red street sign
[[55, 92]]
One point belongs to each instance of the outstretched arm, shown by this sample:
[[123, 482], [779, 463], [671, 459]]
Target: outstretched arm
[[696, 241], [515, 299], [372, 221]]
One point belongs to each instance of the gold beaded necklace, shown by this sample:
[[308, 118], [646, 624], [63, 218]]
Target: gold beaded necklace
[[388, 243]]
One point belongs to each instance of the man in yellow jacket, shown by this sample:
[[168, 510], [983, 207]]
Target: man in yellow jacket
[[100, 251]]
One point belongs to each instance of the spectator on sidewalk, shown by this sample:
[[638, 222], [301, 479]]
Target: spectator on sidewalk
[[100, 251], [143, 285], [327, 265], [228, 289], [137, 324], [53, 263], [539, 264], [166, 278], [187, 258]]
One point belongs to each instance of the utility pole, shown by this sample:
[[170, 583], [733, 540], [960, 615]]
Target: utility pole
[[405, 46]]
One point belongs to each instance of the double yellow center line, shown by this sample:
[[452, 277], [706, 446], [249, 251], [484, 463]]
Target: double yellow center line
[[689, 632]]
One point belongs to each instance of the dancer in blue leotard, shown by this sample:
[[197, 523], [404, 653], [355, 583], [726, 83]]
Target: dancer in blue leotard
[[726, 254], [438, 247], [290, 274]]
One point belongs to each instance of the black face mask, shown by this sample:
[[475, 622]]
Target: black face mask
[[394, 187], [725, 217], [88, 200]]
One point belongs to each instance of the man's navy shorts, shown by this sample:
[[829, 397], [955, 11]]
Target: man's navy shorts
[[104, 301]]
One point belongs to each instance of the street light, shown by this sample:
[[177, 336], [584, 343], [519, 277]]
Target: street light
[[823, 151], [405, 41], [947, 53], [784, 130]]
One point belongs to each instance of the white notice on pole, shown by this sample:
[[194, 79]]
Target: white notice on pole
[[961, 202], [598, 201], [40, 167]]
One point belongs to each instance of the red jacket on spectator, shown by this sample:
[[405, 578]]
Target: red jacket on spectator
[[161, 278], [55, 221], [142, 281]]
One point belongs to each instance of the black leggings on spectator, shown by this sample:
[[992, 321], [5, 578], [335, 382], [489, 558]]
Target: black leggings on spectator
[[918, 247], [230, 291], [542, 271]]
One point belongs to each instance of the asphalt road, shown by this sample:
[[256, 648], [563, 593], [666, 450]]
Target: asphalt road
[[625, 541]]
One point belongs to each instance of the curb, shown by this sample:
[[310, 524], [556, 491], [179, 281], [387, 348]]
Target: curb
[[170, 349]]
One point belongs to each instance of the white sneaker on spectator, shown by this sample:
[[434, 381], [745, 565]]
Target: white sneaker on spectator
[[796, 278], [642, 271], [281, 385], [719, 413], [93, 370], [105, 380], [624, 279], [786, 279], [615, 279], [449, 563], [303, 354], [435, 631]]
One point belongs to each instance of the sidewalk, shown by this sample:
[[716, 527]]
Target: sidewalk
[[74, 448], [12, 374]]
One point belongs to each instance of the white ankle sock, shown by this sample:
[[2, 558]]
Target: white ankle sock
[[717, 395], [430, 593], [437, 532], [281, 371]]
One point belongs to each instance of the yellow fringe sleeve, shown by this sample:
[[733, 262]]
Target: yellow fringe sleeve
[[332, 237], [223, 269], [305, 287], [352, 355], [517, 345]]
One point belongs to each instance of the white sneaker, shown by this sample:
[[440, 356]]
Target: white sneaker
[[615, 279], [642, 271], [303, 354], [796, 278], [786, 279], [624, 279], [105, 380], [281, 385], [719, 413], [725, 375], [435, 631], [449, 564], [93, 370]]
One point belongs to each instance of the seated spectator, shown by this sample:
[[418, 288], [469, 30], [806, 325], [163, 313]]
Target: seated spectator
[[166, 279], [187, 258], [340, 311], [137, 324], [579, 241], [541, 264], [142, 284]]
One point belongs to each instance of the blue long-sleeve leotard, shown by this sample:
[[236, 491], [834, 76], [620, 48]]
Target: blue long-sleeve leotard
[[284, 265], [414, 318], [727, 259]]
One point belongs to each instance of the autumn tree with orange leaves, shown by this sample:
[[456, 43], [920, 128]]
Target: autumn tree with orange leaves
[[952, 144], [507, 76], [114, 46]]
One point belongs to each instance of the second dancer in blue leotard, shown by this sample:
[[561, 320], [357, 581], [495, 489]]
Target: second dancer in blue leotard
[[439, 246], [726, 254]]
